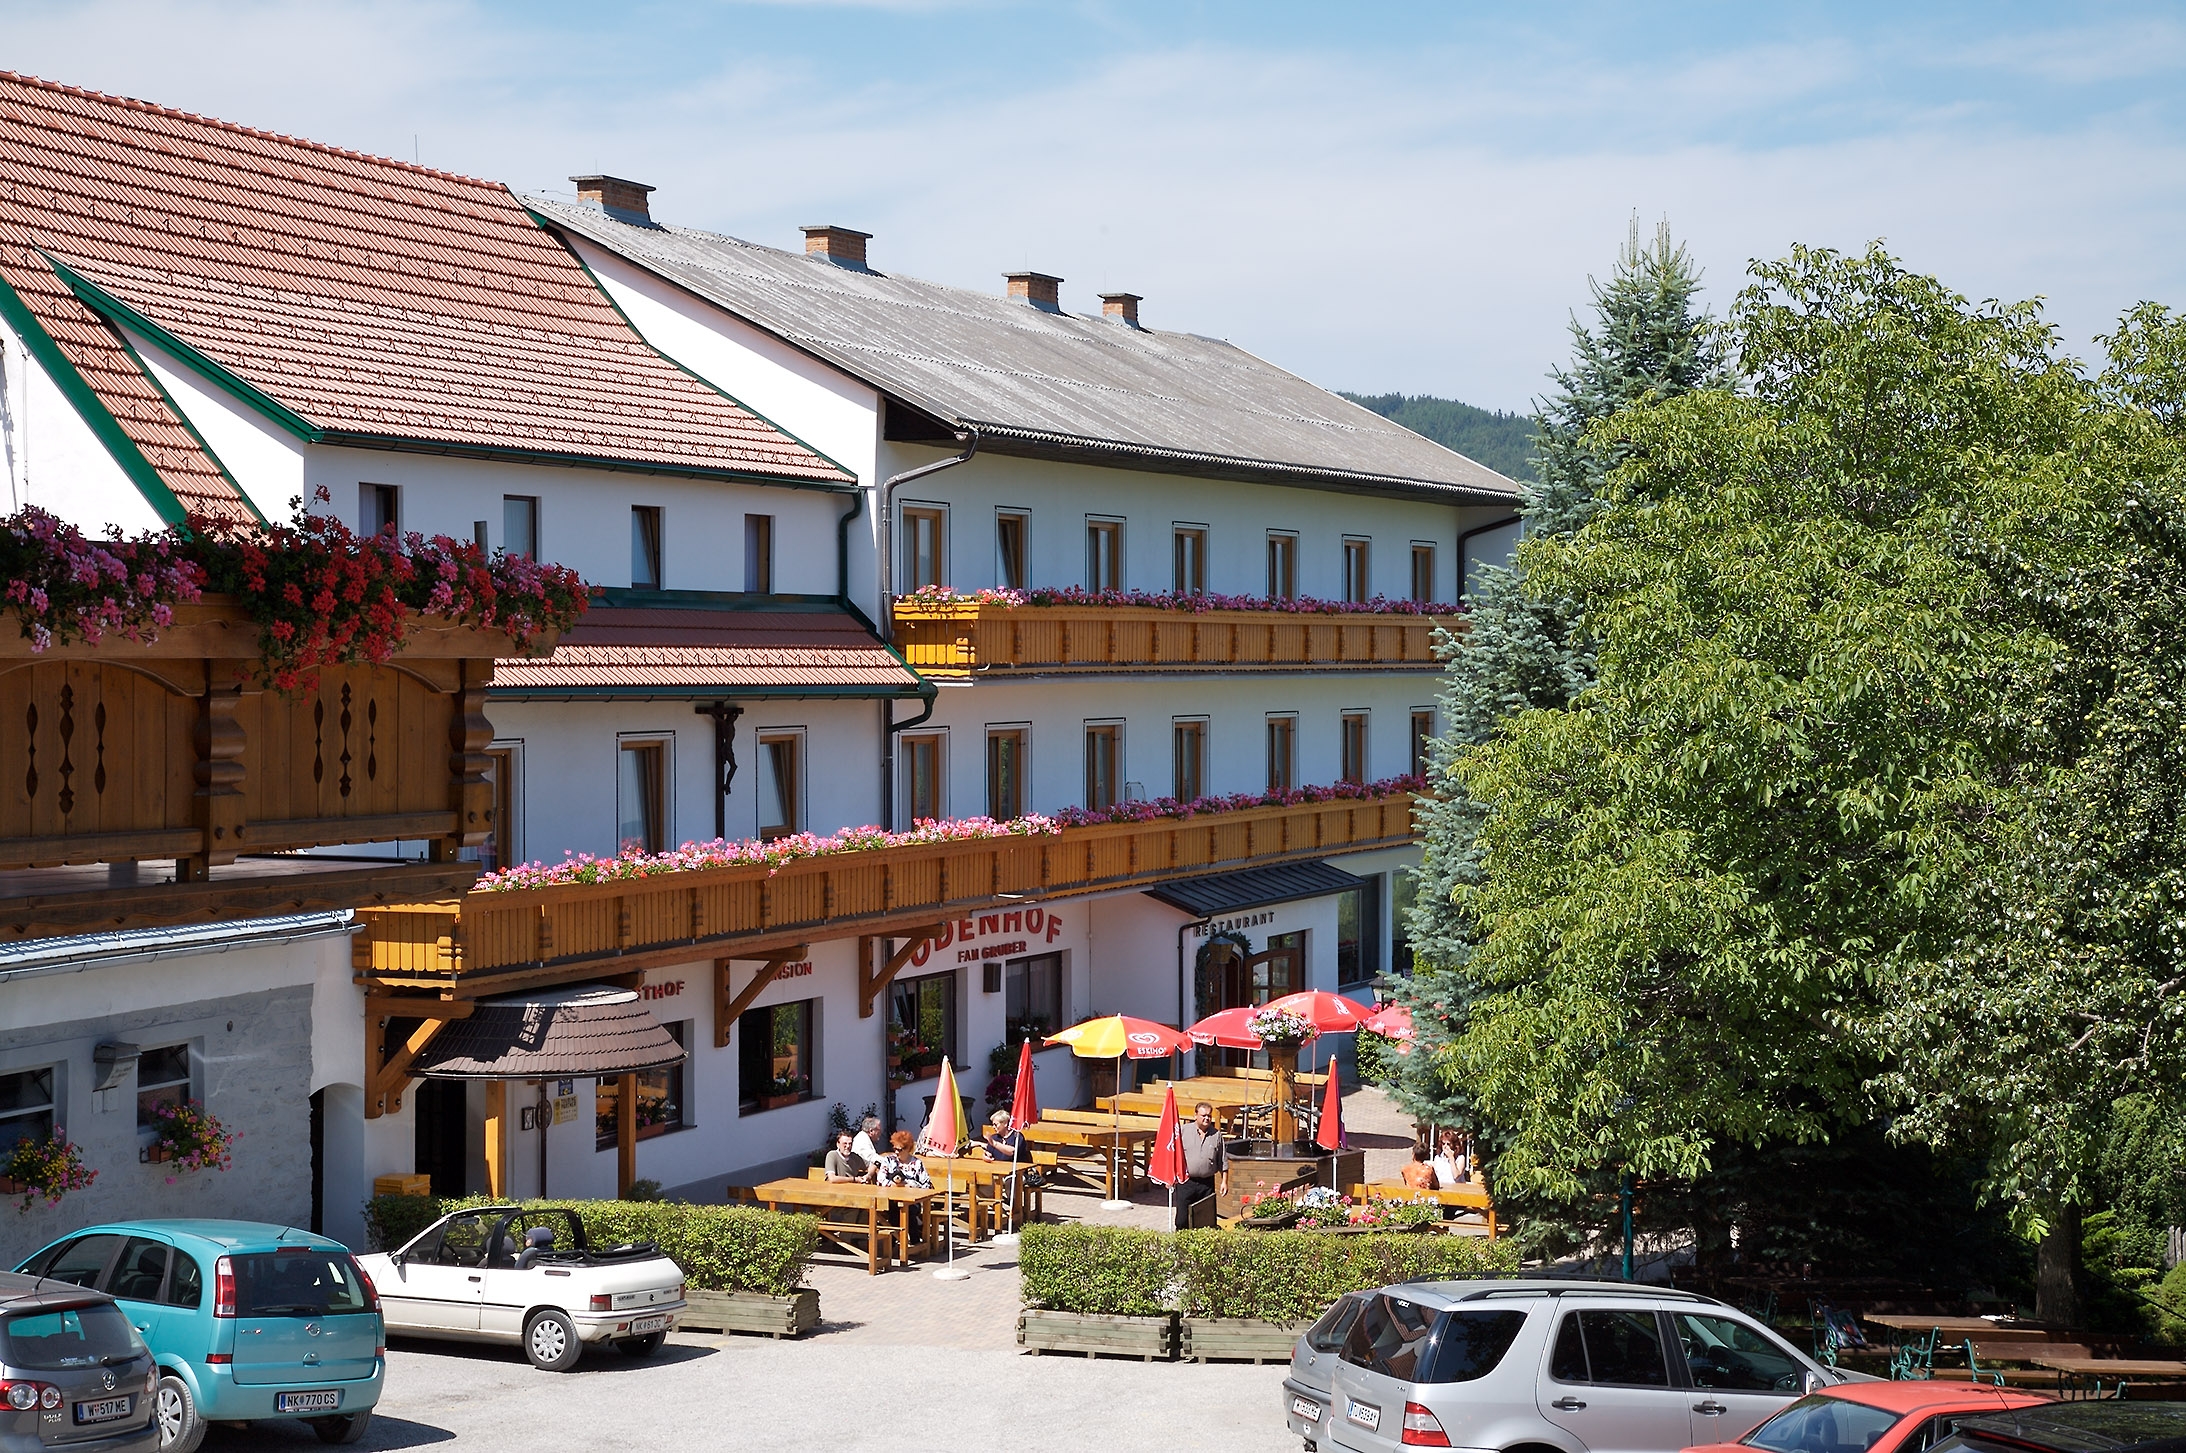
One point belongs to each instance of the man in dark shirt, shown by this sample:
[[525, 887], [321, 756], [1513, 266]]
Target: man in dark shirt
[[845, 1164], [1206, 1162]]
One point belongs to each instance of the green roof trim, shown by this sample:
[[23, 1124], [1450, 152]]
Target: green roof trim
[[89, 406]]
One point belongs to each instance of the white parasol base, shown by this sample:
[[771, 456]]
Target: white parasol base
[[1003, 1238], [1117, 1205], [952, 1273]]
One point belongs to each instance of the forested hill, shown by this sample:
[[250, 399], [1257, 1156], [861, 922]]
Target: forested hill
[[1500, 441]]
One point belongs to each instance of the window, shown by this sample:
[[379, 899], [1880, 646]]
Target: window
[[1423, 736], [520, 525], [379, 507], [662, 1103], [186, 1285], [163, 1078], [922, 768], [26, 1107], [1358, 571], [1006, 772], [1103, 554], [922, 1019], [1282, 566], [80, 1262], [1102, 764], [781, 784], [1825, 1425], [759, 553], [1423, 571], [775, 1056], [1354, 746], [645, 571], [140, 1274], [1282, 753], [1727, 1354], [1403, 893], [1358, 932], [923, 535], [1012, 531], [501, 848], [1623, 1349], [1390, 1334], [641, 795], [1190, 738], [1191, 560], [1032, 997]]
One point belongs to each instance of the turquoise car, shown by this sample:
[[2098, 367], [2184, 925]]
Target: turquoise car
[[246, 1320]]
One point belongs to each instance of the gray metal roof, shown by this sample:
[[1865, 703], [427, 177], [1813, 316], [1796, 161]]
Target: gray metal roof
[[1048, 384], [1242, 888]]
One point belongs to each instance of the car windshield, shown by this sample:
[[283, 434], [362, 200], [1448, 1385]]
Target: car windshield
[[299, 1283], [70, 1337], [1823, 1425]]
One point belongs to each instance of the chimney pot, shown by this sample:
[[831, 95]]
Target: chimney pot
[[1121, 308], [1036, 288], [843, 246], [616, 194]]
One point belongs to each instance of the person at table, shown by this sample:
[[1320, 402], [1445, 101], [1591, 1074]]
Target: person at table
[[902, 1167], [1206, 1163], [844, 1163], [1453, 1168], [869, 1144], [1419, 1172], [1002, 1142]]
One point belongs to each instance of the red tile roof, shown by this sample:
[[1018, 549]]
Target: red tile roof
[[637, 650], [375, 300]]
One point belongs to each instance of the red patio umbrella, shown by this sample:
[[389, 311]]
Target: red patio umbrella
[[1330, 1135], [1390, 1021], [1329, 1013], [1024, 1109], [1229, 1028], [1166, 1164]]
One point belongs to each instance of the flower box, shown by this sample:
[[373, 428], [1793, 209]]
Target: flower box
[[1097, 1335], [155, 1154], [776, 1102], [10, 1186], [777, 1317], [929, 1072], [1236, 1339]]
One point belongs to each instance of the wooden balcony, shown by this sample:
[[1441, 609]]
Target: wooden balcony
[[971, 639], [490, 942], [124, 753]]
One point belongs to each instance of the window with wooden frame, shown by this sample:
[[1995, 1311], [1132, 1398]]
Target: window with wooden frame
[[641, 794], [1282, 753], [1188, 737], [503, 846], [759, 554], [163, 1078], [1358, 570], [1282, 565], [1032, 997], [922, 1021], [777, 1061], [925, 545], [1012, 549], [1190, 550], [1354, 746], [379, 507], [1103, 553], [646, 571], [664, 1101], [27, 1107], [923, 759], [1103, 763], [520, 525], [1423, 735], [1006, 753], [781, 784], [1423, 571]]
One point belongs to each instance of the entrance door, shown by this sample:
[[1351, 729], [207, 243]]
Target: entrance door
[[442, 1108]]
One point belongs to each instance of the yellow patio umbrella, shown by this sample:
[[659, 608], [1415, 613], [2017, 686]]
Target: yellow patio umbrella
[[1120, 1037]]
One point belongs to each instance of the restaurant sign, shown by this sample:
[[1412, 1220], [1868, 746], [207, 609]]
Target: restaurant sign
[[994, 935]]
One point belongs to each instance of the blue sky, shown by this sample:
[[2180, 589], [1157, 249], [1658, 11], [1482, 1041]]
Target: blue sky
[[1377, 196]]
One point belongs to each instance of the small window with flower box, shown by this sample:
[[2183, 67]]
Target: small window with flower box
[[27, 1108], [163, 1079], [663, 1102], [776, 1056]]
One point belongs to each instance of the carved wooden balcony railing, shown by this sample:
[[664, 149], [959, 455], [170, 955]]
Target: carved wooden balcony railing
[[968, 638], [489, 942], [124, 753]]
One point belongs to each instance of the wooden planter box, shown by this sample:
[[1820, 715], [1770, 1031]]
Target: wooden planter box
[[929, 1072], [1237, 1339], [156, 1154], [10, 1186], [1146, 1338], [789, 1316], [776, 1102]]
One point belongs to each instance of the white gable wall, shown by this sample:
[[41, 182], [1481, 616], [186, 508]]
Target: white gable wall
[[265, 461], [51, 457]]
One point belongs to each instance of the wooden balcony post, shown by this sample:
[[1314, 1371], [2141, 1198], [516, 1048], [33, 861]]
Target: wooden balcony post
[[626, 1134], [469, 734], [218, 771], [497, 1139]]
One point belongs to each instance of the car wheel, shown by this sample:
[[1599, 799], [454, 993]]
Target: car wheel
[[550, 1341], [644, 1346], [347, 1428], [174, 1413]]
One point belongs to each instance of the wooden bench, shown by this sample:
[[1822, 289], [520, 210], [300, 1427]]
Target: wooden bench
[[1465, 1198]]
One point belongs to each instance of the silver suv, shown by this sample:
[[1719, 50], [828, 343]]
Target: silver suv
[[1539, 1366]]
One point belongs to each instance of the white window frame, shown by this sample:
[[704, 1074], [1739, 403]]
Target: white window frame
[[667, 743], [939, 736], [1024, 517], [907, 561], [765, 768], [1123, 545]]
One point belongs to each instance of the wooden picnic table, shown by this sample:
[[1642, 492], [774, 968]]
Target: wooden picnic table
[[1120, 1149], [854, 1195], [974, 1174], [1470, 1197], [2113, 1366], [1958, 1329], [1138, 1105]]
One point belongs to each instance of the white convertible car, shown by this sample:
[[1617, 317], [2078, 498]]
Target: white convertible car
[[504, 1274]]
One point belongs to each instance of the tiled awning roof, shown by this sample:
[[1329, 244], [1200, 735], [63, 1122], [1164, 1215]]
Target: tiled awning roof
[[350, 298], [584, 1031], [783, 646]]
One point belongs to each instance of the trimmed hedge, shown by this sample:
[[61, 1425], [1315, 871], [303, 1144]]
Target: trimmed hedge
[[1275, 1276], [719, 1248]]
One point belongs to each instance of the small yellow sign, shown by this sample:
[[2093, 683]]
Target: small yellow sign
[[565, 1109]]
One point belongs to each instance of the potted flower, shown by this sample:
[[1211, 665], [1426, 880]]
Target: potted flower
[[51, 1168], [783, 1090], [1320, 1209], [189, 1138], [1279, 1030]]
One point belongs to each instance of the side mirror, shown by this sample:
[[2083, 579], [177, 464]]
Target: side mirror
[[1814, 1381], [397, 1258]]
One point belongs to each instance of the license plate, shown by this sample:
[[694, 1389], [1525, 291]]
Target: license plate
[[1366, 1415], [1310, 1411], [648, 1324], [103, 1411], [308, 1402]]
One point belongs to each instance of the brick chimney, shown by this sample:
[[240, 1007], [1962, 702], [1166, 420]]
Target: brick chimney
[[615, 194], [1038, 289], [1121, 308], [843, 246]]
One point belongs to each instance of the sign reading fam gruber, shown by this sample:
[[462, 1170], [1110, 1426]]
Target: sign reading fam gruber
[[1018, 931]]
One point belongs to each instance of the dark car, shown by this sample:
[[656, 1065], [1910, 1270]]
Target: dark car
[[73, 1372], [2100, 1426]]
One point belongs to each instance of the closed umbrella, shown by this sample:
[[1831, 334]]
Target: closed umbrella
[[1119, 1037], [1166, 1164], [944, 1132], [1330, 1134], [1024, 1109]]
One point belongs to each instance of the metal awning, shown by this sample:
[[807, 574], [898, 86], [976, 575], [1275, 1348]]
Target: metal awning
[[586, 1031], [1231, 892]]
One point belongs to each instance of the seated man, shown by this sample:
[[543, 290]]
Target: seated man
[[1002, 1142], [845, 1164]]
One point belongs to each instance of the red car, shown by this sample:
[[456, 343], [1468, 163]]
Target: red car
[[1875, 1417]]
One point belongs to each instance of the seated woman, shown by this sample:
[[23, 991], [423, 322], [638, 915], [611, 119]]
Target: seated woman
[[902, 1167], [1002, 1142], [1418, 1172], [1453, 1167]]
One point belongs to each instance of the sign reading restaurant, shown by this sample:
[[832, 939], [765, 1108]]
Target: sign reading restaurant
[[1231, 925]]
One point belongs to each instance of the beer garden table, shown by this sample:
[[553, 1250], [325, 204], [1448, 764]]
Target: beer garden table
[[1122, 1148], [854, 1195]]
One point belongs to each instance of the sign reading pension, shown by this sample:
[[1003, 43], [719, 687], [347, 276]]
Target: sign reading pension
[[1019, 931]]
